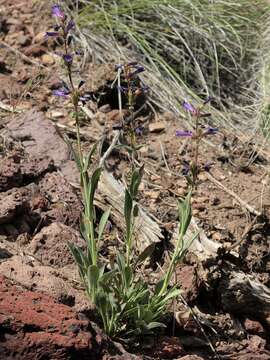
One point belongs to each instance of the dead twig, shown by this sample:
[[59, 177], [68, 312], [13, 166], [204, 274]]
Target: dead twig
[[243, 203], [84, 134], [10, 108], [247, 229]]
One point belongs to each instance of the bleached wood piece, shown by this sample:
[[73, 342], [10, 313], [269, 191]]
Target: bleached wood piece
[[111, 193]]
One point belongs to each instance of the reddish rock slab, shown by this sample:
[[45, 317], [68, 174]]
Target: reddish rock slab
[[13, 203], [188, 280], [38, 136], [16, 170], [34, 326], [50, 245], [168, 348], [254, 348], [65, 204]]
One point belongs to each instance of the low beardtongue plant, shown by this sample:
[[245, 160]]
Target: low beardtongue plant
[[128, 306]]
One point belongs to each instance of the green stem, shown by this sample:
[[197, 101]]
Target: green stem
[[171, 268], [78, 133], [196, 152]]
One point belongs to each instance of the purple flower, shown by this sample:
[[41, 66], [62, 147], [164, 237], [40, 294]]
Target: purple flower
[[123, 89], [138, 70], [70, 26], [63, 92], [56, 11], [144, 88], [186, 168], [79, 52], [207, 100], [51, 33], [207, 166], [132, 63], [109, 226], [118, 66], [69, 39], [68, 58], [180, 133], [190, 108], [86, 97], [139, 131], [211, 131], [82, 82]]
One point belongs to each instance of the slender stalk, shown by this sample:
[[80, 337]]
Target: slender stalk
[[196, 150]]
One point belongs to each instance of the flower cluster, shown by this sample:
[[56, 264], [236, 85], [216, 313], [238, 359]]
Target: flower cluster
[[200, 131], [131, 86], [62, 30]]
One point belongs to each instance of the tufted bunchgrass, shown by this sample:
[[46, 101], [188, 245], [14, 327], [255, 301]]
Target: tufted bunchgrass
[[187, 46]]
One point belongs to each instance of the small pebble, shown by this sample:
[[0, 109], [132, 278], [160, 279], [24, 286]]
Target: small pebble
[[47, 59], [157, 126]]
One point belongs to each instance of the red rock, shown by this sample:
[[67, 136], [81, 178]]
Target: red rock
[[50, 244], [39, 136], [168, 348], [188, 280], [34, 326]]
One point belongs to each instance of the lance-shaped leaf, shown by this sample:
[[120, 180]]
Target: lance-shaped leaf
[[184, 214], [154, 324], [102, 223], [87, 160], [93, 277], [92, 188], [127, 212], [135, 181]]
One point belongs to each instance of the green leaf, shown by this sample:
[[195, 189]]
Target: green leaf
[[154, 325], [78, 255], [92, 188], [136, 179], [83, 228], [74, 250], [102, 223], [138, 147], [135, 210], [128, 276], [127, 212], [172, 293], [186, 245], [158, 286], [93, 276], [121, 263], [101, 301], [185, 214], [148, 251], [87, 160], [107, 277]]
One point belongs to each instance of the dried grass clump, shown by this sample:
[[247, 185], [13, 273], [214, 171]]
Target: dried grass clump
[[191, 48]]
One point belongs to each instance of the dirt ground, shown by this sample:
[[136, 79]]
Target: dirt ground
[[224, 312]]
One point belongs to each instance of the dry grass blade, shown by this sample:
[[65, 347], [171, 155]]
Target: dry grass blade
[[186, 47]]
